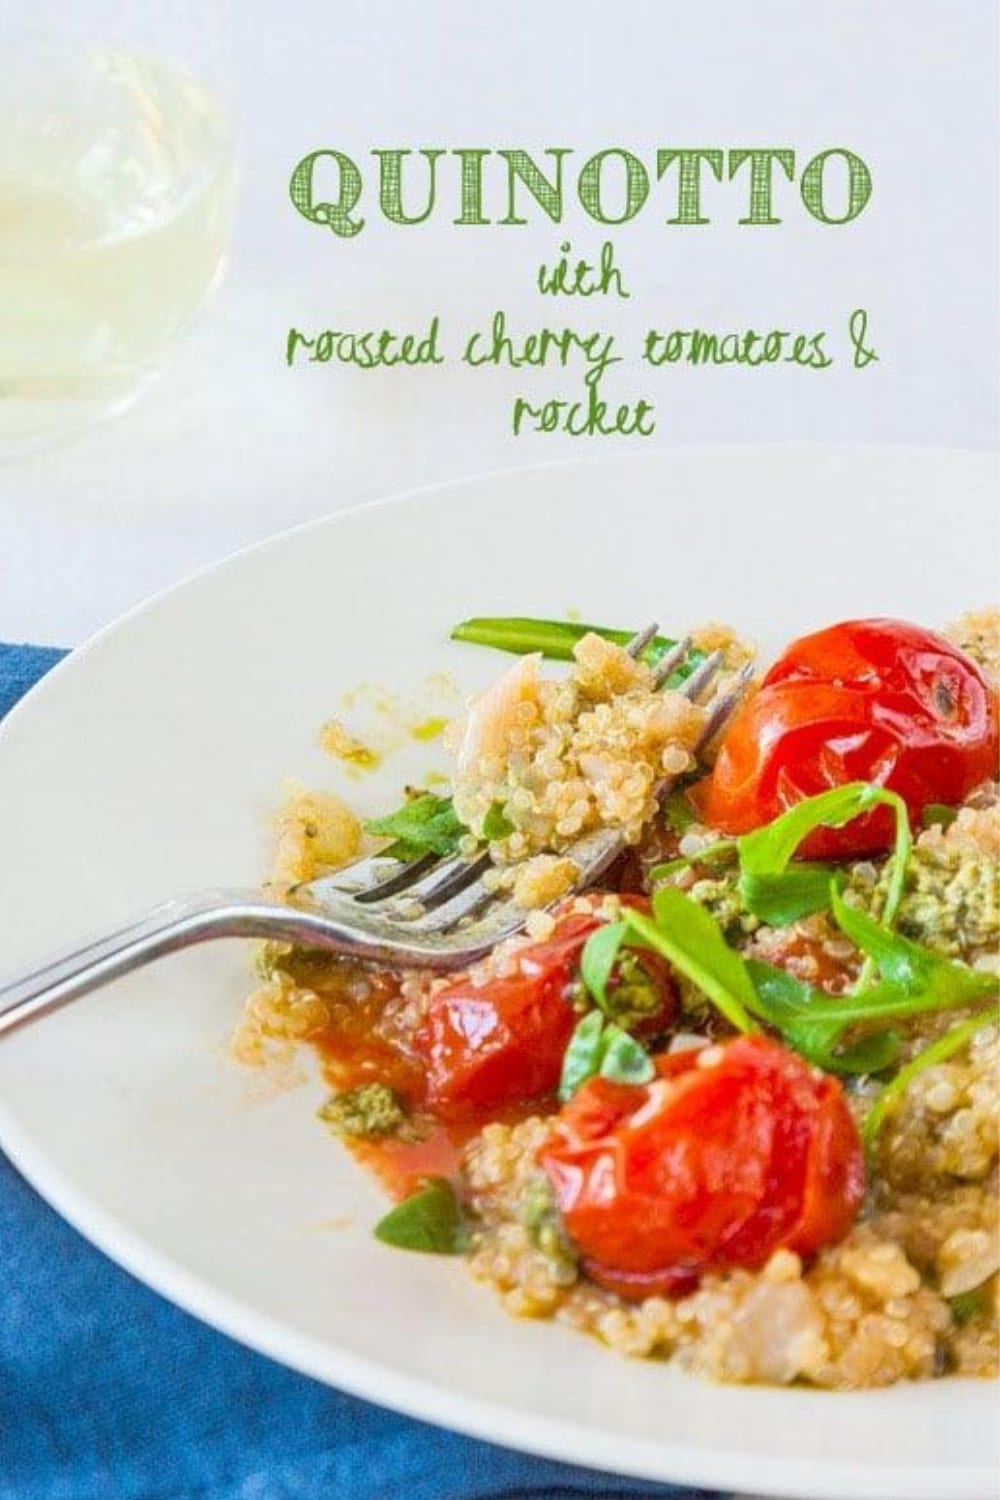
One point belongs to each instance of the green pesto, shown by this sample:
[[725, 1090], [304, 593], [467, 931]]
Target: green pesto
[[951, 901], [367, 1113], [273, 959], [633, 997], [967, 1305], [542, 1220], [721, 897], [268, 956]]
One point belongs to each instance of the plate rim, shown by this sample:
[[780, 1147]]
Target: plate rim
[[479, 1417]]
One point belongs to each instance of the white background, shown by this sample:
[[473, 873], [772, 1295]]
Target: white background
[[231, 445]]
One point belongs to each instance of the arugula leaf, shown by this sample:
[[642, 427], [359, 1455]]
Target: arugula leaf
[[496, 824], [555, 639], [677, 812], [907, 963], [430, 1220], [774, 889], [938, 982], [890, 1001], [813, 1021], [929, 1057], [872, 1054], [691, 939], [582, 1058], [625, 1060], [612, 949], [427, 824], [780, 898], [597, 961], [809, 1021], [600, 1048], [818, 1018], [915, 981], [722, 848], [795, 1008], [766, 853], [768, 850], [801, 1013]]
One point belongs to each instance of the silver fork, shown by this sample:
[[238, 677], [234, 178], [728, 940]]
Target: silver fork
[[431, 913]]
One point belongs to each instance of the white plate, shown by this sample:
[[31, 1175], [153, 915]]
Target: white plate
[[146, 765]]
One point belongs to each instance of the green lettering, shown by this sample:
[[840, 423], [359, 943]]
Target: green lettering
[[643, 410], [761, 161], [427, 349], [335, 215], [582, 279], [592, 421], [391, 185], [819, 359], [859, 186], [610, 274], [501, 350], [650, 348], [748, 354], [548, 195], [689, 179], [774, 344], [291, 344], [521, 409], [704, 348], [590, 186], [674, 346], [809, 352], [472, 184]]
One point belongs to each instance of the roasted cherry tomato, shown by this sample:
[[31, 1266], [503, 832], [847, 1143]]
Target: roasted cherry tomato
[[729, 1154], [868, 700], [502, 1042]]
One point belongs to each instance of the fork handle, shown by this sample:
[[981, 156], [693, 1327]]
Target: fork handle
[[167, 929]]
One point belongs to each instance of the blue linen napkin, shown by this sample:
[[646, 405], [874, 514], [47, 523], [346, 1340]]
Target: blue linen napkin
[[108, 1392]]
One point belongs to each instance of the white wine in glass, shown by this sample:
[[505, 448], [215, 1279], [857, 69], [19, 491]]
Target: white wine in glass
[[116, 195]]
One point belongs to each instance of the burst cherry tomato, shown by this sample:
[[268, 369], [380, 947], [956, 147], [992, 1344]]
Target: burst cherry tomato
[[728, 1155], [868, 700], [499, 1043]]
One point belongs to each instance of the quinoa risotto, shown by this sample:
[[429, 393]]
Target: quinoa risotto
[[739, 1107]]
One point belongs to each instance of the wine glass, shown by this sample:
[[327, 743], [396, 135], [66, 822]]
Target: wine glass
[[117, 175]]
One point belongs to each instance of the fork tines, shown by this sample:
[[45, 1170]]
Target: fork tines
[[434, 894]]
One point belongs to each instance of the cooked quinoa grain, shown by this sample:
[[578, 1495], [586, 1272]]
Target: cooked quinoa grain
[[870, 1311], [978, 634], [912, 1290], [316, 831], [562, 758], [911, 1293]]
